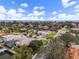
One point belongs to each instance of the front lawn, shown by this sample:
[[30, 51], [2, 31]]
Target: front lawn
[[52, 35]]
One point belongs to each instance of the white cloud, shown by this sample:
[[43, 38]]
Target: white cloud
[[13, 14], [38, 8], [24, 5], [2, 13], [31, 18], [38, 13], [54, 13], [2, 9], [65, 17], [77, 8], [2, 16], [35, 16], [21, 10], [67, 3]]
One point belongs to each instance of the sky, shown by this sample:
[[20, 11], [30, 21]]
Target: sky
[[39, 10]]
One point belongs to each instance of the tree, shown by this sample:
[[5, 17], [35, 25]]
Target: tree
[[68, 37], [55, 49], [36, 45], [23, 53]]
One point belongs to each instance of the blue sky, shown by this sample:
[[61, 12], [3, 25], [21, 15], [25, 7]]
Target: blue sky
[[39, 10]]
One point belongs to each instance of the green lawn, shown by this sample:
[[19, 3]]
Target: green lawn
[[52, 35], [17, 50]]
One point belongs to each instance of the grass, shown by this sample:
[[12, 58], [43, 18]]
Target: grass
[[44, 42], [52, 35], [17, 50]]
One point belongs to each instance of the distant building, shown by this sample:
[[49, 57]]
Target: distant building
[[2, 40], [10, 44], [12, 39], [3, 34], [23, 30], [75, 30]]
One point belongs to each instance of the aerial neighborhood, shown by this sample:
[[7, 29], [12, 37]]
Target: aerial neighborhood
[[32, 36]]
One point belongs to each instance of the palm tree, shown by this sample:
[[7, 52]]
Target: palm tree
[[23, 53]]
